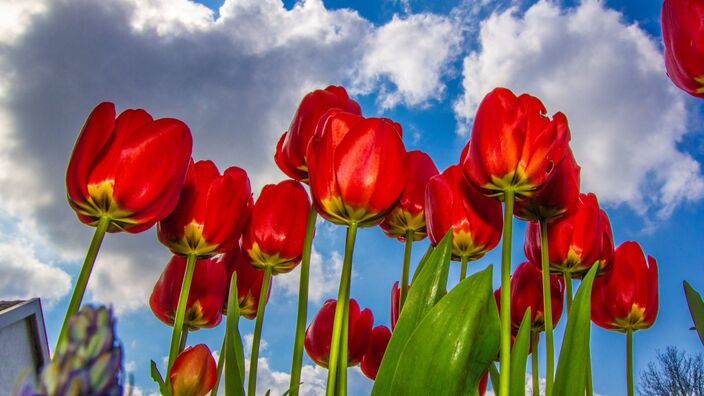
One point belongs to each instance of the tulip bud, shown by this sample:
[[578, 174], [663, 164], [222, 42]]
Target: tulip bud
[[557, 198], [409, 212], [527, 292], [378, 342], [205, 298], [249, 281], [211, 212], [682, 33], [319, 333], [130, 169], [356, 168], [291, 149], [575, 242], [626, 296], [274, 236], [453, 204], [514, 145], [194, 372]]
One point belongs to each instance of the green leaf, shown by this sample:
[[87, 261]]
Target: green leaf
[[494, 377], [156, 376], [570, 378], [696, 308], [234, 354], [453, 345], [519, 357], [422, 262], [428, 288]]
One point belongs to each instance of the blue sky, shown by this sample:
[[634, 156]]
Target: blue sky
[[235, 75]]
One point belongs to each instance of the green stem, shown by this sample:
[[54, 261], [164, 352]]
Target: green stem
[[406, 266], [629, 360], [463, 268], [342, 296], [80, 288], [590, 387], [221, 363], [180, 312], [568, 290], [297, 360], [341, 384], [254, 356], [547, 309], [534, 361], [505, 355], [182, 342]]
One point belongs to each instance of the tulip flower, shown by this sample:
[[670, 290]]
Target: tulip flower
[[249, 281], [682, 32], [575, 242], [211, 213], [319, 333], [356, 167], [125, 174], [409, 213], [514, 146], [193, 372], [527, 292], [273, 241], [291, 149], [625, 298], [475, 220], [395, 304], [558, 197], [205, 297], [378, 342]]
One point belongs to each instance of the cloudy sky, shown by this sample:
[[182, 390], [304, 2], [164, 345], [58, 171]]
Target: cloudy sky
[[234, 71]]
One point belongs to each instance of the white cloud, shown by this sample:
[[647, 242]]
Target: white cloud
[[15, 16], [170, 16], [323, 281], [608, 78], [413, 54], [25, 276]]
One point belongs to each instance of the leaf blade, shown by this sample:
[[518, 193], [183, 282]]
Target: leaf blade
[[696, 308]]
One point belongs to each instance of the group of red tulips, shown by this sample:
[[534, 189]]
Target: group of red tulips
[[130, 172]]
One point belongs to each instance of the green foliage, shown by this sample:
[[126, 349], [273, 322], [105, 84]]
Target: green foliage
[[519, 357], [696, 308], [234, 353]]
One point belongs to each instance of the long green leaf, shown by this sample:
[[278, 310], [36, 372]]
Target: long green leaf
[[234, 354], [453, 345], [156, 376], [519, 357], [570, 378], [494, 377], [428, 288], [422, 262], [696, 308]]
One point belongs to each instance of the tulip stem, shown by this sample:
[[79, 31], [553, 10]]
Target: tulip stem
[[534, 361], [80, 288], [629, 360], [341, 384], [463, 268], [184, 337], [297, 359], [340, 310], [221, 363], [254, 356], [181, 312], [568, 290], [505, 354], [406, 267], [547, 308]]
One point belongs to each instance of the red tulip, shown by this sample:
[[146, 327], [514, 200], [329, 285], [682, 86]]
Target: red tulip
[[319, 333], [483, 383], [514, 145], [130, 169], [205, 298], [249, 281], [575, 242], [683, 33], [291, 149], [378, 342], [356, 167], [194, 372], [558, 197], [395, 304], [274, 236], [452, 203], [211, 212], [527, 292], [409, 212], [626, 297]]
